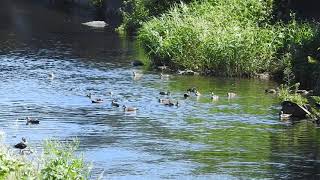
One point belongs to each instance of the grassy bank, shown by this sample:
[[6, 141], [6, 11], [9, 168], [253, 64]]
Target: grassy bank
[[58, 161], [225, 38]]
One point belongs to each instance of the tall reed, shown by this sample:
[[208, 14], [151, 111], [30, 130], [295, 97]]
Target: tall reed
[[224, 37]]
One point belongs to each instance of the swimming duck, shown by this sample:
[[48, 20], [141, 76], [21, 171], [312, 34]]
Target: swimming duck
[[51, 75], [271, 91], [164, 101], [192, 90], [197, 93], [186, 95], [168, 102], [173, 103], [136, 75], [115, 103], [98, 100], [284, 116], [22, 144], [129, 109], [214, 97], [164, 75], [32, 121], [231, 95], [89, 95], [304, 92], [164, 93]]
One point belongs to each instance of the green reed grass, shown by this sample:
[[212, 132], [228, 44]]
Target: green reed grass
[[225, 37]]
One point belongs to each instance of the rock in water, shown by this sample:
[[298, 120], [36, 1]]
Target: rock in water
[[96, 24], [137, 63], [296, 110]]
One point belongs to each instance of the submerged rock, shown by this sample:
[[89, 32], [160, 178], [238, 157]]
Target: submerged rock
[[137, 63], [96, 24]]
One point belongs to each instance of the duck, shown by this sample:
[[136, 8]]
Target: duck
[[115, 103], [22, 144], [164, 101], [186, 95], [165, 93], [51, 75], [271, 91], [305, 92], [197, 93], [98, 100], [136, 75], [168, 102], [214, 97], [192, 90], [89, 95], [231, 95], [164, 75], [172, 103], [284, 116], [32, 121], [129, 109]]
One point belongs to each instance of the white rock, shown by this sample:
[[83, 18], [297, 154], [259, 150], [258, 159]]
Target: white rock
[[96, 24]]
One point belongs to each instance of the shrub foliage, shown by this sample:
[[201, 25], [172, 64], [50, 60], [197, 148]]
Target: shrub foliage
[[223, 37]]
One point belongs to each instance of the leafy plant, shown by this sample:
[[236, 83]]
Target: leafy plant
[[58, 162], [136, 12], [61, 163], [288, 93]]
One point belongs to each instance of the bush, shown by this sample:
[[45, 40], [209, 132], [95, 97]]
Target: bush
[[225, 37], [136, 12], [58, 162], [61, 163], [286, 93]]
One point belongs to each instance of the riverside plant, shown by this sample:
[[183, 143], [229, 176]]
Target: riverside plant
[[287, 94], [136, 12], [58, 161], [227, 37]]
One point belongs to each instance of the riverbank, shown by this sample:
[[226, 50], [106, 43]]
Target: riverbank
[[229, 38]]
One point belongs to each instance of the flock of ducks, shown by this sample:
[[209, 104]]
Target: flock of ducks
[[114, 103], [164, 101], [23, 144]]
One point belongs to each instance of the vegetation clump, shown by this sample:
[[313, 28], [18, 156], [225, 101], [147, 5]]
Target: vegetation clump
[[136, 12], [223, 37], [57, 162]]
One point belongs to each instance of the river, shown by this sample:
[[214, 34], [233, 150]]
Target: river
[[239, 138]]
